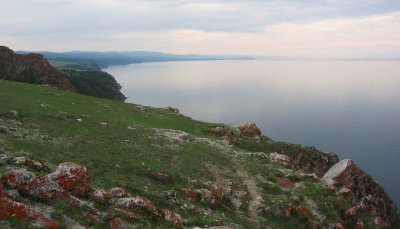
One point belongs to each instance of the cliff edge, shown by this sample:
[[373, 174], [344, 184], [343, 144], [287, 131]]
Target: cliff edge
[[31, 68]]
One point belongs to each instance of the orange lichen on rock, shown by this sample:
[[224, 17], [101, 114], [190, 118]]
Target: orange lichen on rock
[[72, 177], [173, 217]]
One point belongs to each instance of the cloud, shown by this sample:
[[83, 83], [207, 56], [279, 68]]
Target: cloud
[[278, 27]]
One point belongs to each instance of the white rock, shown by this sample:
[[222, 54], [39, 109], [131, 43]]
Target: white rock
[[335, 171]]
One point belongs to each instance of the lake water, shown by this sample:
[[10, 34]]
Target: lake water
[[351, 108]]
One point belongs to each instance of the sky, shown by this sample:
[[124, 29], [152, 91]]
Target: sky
[[288, 28]]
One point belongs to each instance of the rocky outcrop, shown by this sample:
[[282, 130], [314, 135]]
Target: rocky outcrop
[[72, 177], [250, 130], [365, 194], [31, 68], [10, 208], [314, 160], [280, 159]]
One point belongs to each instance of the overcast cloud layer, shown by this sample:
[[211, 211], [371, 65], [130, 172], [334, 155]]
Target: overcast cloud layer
[[306, 28]]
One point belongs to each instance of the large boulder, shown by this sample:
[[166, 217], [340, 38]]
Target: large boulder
[[9, 208], [366, 195], [342, 173], [250, 130], [72, 178], [280, 159], [47, 189]]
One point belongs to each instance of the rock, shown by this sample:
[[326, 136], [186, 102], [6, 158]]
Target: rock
[[245, 196], [93, 217], [13, 194], [139, 203], [72, 177], [381, 223], [14, 114], [190, 208], [38, 165], [101, 196], [288, 210], [44, 222], [118, 192], [118, 223], [23, 160], [229, 137], [339, 226], [190, 193], [187, 137], [172, 109], [250, 130], [316, 161], [302, 210], [47, 189], [36, 186], [104, 124], [284, 182], [218, 189], [20, 160], [345, 191], [280, 159], [228, 188], [314, 224], [173, 217], [17, 178], [9, 208], [208, 197], [353, 211], [163, 177], [360, 225], [218, 131], [366, 194], [130, 213], [341, 173]]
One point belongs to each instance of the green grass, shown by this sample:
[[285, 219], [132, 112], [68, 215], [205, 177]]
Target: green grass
[[126, 156]]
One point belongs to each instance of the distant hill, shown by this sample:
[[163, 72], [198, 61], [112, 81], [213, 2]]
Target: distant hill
[[104, 59]]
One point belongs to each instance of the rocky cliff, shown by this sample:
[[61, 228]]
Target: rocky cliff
[[30, 68], [35, 69], [367, 197]]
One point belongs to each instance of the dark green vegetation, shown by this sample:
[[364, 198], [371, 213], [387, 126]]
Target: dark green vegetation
[[94, 83], [55, 126], [88, 78], [79, 66]]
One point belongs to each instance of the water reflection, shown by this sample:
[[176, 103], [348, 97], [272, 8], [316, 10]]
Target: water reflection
[[351, 108]]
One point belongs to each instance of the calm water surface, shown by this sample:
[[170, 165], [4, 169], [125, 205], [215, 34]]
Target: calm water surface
[[351, 108]]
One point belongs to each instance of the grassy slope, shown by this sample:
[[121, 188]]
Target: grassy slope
[[113, 161]]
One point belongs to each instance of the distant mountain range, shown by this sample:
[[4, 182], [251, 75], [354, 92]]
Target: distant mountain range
[[104, 59]]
